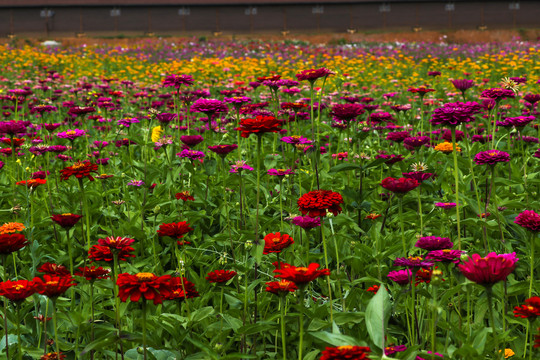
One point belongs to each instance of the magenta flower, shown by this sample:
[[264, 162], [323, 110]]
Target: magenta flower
[[295, 139], [418, 175], [529, 219], [434, 243], [401, 277], [491, 157], [191, 154], [209, 106], [453, 114], [391, 350], [313, 74], [446, 205], [346, 112], [446, 255], [280, 172], [127, 122], [489, 270], [462, 84], [223, 150], [71, 134], [412, 143], [497, 94], [520, 121], [412, 262], [306, 222], [177, 81], [239, 166], [191, 140], [398, 136]]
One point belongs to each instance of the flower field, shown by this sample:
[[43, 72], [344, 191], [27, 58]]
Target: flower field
[[248, 200]]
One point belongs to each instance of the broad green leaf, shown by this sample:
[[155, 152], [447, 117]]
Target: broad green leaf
[[377, 315]]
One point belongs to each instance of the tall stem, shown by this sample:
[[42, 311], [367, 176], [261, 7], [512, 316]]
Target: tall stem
[[456, 179], [301, 339], [282, 320], [5, 309], [144, 328], [326, 264], [400, 207], [55, 325], [489, 292], [19, 345], [531, 280], [86, 212]]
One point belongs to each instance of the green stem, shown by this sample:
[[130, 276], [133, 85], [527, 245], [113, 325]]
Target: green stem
[[531, 280], [326, 264], [55, 325], [456, 179], [400, 209], [144, 328], [19, 345], [420, 210], [86, 212], [489, 292], [301, 335], [282, 320]]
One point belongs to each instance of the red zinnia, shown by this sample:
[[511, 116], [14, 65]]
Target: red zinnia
[[531, 309], [93, 273], [17, 290], [54, 285], [184, 195], [301, 275], [54, 269], [180, 289], [275, 242], [148, 285], [260, 125], [316, 203], [399, 185], [80, 170], [53, 356], [104, 253], [281, 287], [32, 183], [346, 352], [174, 230], [373, 289], [11, 242], [529, 219], [66, 221], [116, 243], [220, 276], [313, 74]]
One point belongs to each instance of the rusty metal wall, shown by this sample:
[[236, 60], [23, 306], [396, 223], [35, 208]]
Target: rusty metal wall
[[233, 19]]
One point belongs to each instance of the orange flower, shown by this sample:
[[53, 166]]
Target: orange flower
[[11, 227]]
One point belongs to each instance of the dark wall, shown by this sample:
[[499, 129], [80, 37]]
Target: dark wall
[[166, 20]]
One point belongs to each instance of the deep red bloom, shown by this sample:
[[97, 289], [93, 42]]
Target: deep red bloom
[[373, 289], [347, 112], [54, 269], [17, 290], [490, 269], [117, 243], [316, 203], [53, 356], [313, 74], [531, 309], [260, 125], [220, 276], [422, 90], [54, 285], [180, 289], [223, 150], [148, 285], [80, 170], [529, 219], [399, 185], [11, 242], [32, 183], [104, 253], [66, 221], [191, 140], [184, 195], [281, 287], [301, 275], [93, 273], [347, 352], [174, 230], [275, 242]]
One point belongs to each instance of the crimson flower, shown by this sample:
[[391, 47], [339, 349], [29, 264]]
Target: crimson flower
[[184, 195], [174, 230], [434, 243], [281, 287], [301, 275], [220, 276], [11, 242], [399, 185], [177, 81], [80, 169], [53, 356], [275, 242], [490, 269], [260, 125], [92, 273], [104, 253], [180, 289], [53, 286], [347, 352], [313, 74], [318, 202], [54, 269], [491, 157], [223, 150], [147, 285], [529, 219], [116, 243], [531, 309], [421, 90], [18, 290], [32, 183], [67, 220], [445, 255]]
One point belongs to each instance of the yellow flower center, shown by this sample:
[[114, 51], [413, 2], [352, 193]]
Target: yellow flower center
[[18, 287], [142, 277], [67, 214], [302, 269], [78, 165], [52, 283], [70, 132], [345, 347]]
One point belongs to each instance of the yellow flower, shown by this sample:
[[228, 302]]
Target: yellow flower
[[156, 133], [447, 147], [508, 353]]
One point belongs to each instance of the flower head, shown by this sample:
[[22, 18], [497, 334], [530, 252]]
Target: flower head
[[434, 243], [531, 309], [275, 242], [80, 169], [491, 157], [220, 276], [313, 74], [174, 230], [490, 269], [146, 285], [318, 202], [401, 277], [10, 243], [412, 262], [399, 185], [11, 227], [17, 291], [92, 273], [346, 352], [301, 275], [281, 287], [445, 255], [259, 125], [306, 222], [54, 285], [177, 80], [453, 114], [529, 219], [66, 221]]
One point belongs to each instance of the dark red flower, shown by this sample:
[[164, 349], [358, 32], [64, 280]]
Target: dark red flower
[[174, 230], [318, 202], [80, 169], [275, 242], [347, 112], [434, 243], [53, 356], [147, 285], [180, 289], [531, 309], [220, 276], [347, 352], [422, 90], [184, 195], [54, 269], [67, 220], [191, 140], [11, 242], [104, 253], [54, 285], [313, 74], [93, 273], [260, 125], [281, 287], [223, 150], [399, 185], [32, 183], [17, 290], [373, 289], [177, 81], [117, 243], [490, 269], [301, 275]]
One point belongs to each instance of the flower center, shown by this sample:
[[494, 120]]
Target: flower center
[[18, 287], [67, 214], [78, 165], [302, 269], [415, 258], [345, 347], [143, 277], [70, 132], [52, 283]]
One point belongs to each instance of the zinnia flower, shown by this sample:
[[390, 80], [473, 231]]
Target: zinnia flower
[[67, 221], [53, 356], [531, 309], [53, 286], [318, 202], [446, 205], [191, 154], [391, 350], [462, 84], [260, 125], [412, 262], [306, 222], [497, 94], [191, 140], [346, 352], [399, 185], [80, 169], [347, 112], [11, 242], [54, 269], [92, 273], [446, 255], [453, 114], [184, 195], [401, 277], [11, 227], [490, 269], [223, 150], [17, 291], [434, 243], [220, 276], [174, 230], [177, 80], [180, 289], [147, 285], [275, 242], [313, 74], [491, 157], [529, 219], [104, 253], [281, 287], [301, 275]]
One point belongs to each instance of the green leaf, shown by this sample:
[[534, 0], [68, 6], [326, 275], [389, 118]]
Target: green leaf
[[377, 315], [344, 167], [201, 314], [335, 339]]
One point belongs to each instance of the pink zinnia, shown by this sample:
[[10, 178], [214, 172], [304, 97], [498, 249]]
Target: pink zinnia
[[529, 219], [490, 269]]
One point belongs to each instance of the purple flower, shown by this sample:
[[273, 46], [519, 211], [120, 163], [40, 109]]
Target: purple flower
[[295, 140], [100, 144], [497, 94], [127, 122], [529, 219], [397, 136], [446, 255], [177, 81], [237, 100], [401, 277], [165, 117], [137, 183], [491, 157], [71, 134], [209, 106], [12, 127], [462, 84], [280, 172], [418, 175], [391, 350], [532, 98], [191, 154], [306, 222], [411, 143], [346, 112], [453, 114], [191, 140], [412, 262], [434, 243], [520, 121]]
